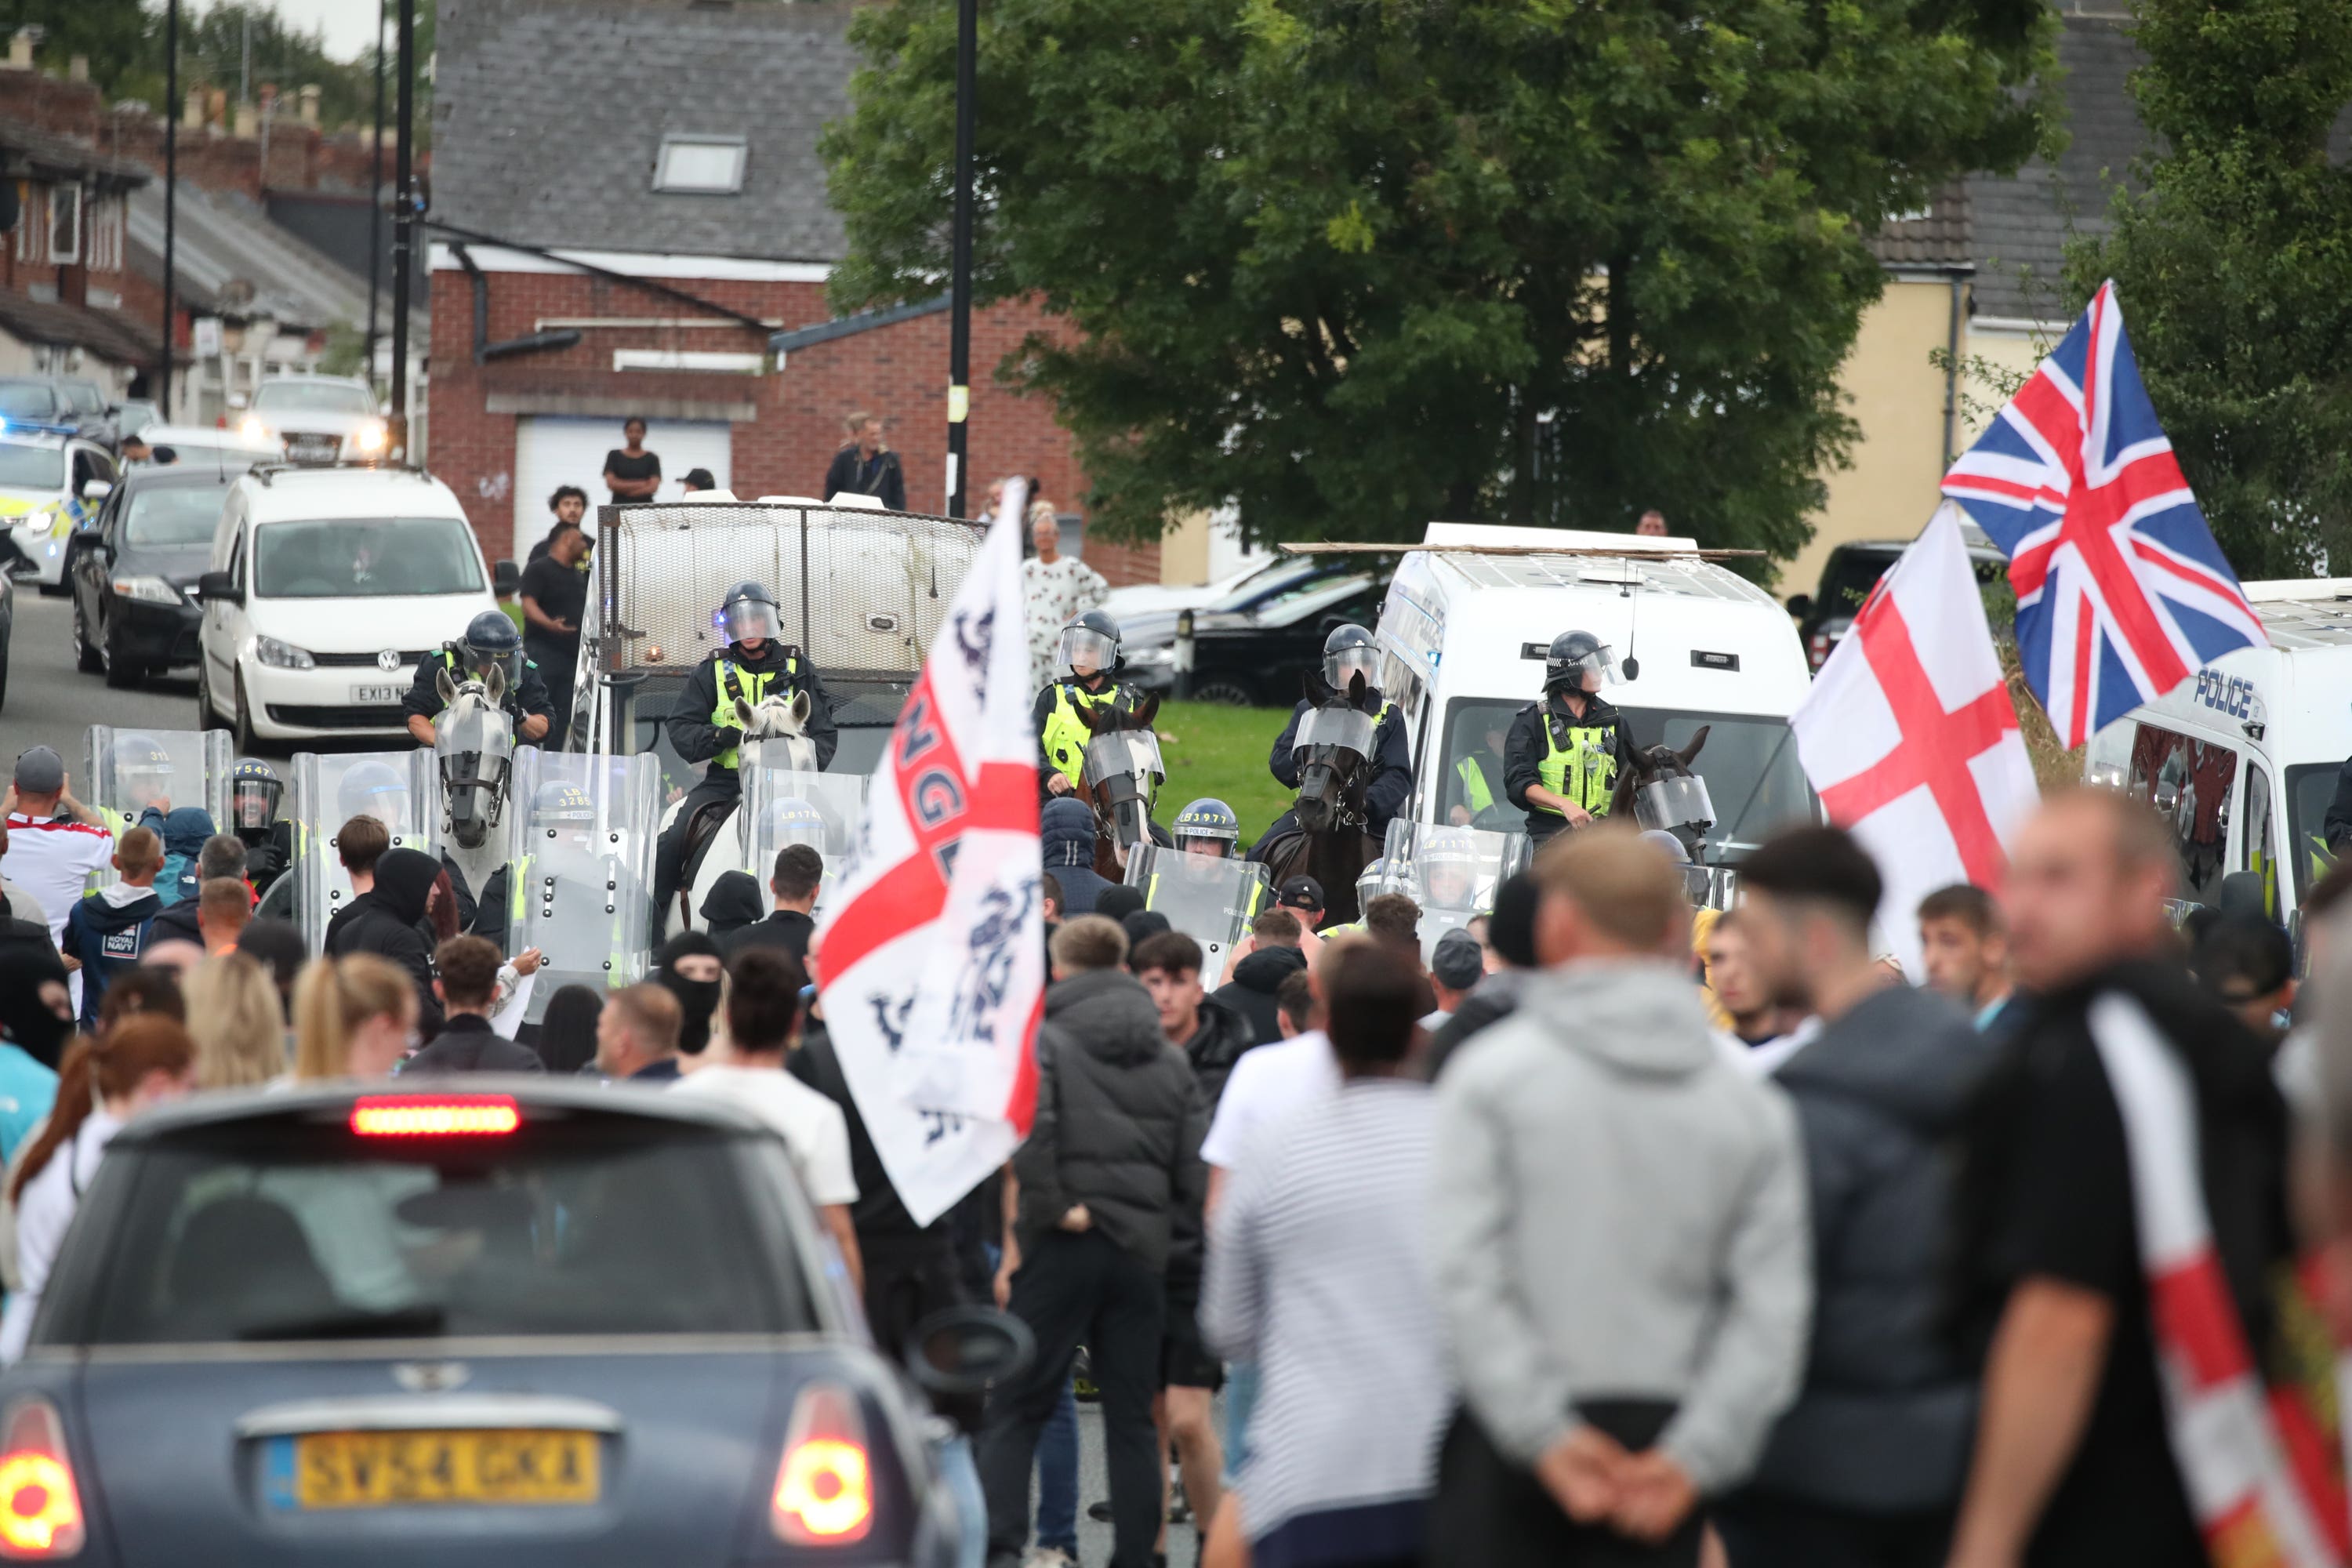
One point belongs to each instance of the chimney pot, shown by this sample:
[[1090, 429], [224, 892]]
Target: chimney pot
[[77, 68], [20, 48], [308, 100]]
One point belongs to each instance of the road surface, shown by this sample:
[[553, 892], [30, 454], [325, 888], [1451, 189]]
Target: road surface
[[51, 703]]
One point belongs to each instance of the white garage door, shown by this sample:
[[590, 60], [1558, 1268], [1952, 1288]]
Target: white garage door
[[551, 451]]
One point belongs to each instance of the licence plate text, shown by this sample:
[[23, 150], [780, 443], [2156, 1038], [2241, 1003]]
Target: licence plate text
[[378, 693], [393, 1469]]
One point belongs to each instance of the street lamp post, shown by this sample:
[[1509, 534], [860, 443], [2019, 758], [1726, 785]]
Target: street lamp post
[[375, 190], [960, 280], [170, 188], [403, 227]]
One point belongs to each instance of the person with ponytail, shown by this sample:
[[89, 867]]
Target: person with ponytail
[[105, 1083], [355, 1016]]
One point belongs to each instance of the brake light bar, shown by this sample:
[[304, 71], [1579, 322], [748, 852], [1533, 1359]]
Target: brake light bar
[[436, 1116], [41, 1507], [824, 1487]]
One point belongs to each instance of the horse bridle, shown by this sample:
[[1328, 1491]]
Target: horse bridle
[[1343, 815]]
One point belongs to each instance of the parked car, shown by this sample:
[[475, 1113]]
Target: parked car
[[49, 479], [204, 443], [317, 419], [7, 631], [70, 400], [1853, 570], [133, 415], [325, 589], [1274, 598], [499, 1321], [134, 573]]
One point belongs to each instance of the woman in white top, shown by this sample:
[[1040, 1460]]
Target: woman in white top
[[104, 1083]]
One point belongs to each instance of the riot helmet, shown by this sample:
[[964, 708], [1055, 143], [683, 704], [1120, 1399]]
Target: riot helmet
[[561, 812], [491, 642], [1571, 656], [142, 771], [749, 614], [1208, 827], [377, 790], [253, 793], [1349, 651], [1089, 644], [792, 820], [1448, 860], [1369, 881]]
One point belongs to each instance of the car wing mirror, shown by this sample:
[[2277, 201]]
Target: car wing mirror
[[505, 578], [221, 585]]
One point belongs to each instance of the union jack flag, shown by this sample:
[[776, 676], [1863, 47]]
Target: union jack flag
[[2122, 593]]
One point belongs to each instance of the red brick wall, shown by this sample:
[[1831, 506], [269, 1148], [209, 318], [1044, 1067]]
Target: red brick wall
[[899, 373]]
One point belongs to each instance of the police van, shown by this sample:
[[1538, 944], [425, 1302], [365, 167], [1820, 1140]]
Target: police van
[[2242, 761], [1462, 636]]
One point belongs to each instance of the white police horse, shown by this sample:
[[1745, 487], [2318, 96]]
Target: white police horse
[[775, 734], [473, 750]]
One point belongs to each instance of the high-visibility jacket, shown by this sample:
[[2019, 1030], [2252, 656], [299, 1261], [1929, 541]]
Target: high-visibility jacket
[[1063, 734], [753, 686]]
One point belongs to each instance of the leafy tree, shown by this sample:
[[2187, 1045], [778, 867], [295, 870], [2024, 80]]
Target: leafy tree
[[1353, 264], [2234, 267]]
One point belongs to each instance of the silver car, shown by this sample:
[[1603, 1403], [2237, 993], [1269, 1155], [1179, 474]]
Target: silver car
[[317, 419]]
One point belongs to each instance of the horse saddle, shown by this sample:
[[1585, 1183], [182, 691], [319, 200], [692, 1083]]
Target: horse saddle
[[701, 828]]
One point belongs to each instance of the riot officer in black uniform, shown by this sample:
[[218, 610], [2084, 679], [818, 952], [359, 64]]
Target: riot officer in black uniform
[[255, 794], [1347, 653], [491, 640]]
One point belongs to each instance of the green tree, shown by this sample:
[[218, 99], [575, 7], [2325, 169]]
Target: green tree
[[1353, 264], [2233, 264]]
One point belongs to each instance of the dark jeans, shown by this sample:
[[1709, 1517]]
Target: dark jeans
[[669, 854], [1762, 1531], [1071, 1288], [1492, 1512]]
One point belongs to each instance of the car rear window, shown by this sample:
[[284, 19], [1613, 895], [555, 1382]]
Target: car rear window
[[295, 1230], [310, 397], [165, 515], [28, 400]]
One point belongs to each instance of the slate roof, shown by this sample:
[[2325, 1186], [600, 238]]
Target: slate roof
[[1939, 238], [549, 115], [113, 338], [229, 257], [28, 149]]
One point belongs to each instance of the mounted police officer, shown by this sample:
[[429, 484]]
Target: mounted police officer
[[704, 727], [255, 794], [1348, 652], [490, 641], [1086, 662], [1565, 752]]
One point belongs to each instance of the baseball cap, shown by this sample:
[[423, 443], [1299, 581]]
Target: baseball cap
[[1458, 961], [1301, 893], [40, 771]]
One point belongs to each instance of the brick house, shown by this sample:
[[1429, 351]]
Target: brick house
[[610, 242], [62, 262]]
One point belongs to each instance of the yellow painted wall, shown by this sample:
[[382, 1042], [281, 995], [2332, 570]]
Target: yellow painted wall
[[1889, 488], [2012, 350], [1184, 551]]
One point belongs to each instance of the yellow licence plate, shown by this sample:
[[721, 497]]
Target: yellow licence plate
[[390, 1469]]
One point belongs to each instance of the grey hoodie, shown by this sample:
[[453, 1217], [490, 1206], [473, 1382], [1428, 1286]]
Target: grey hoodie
[[1619, 1212]]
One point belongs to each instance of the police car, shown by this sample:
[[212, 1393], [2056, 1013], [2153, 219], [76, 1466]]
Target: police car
[[50, 482], [2242, 761]]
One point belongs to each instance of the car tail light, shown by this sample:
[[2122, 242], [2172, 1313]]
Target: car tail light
[[40, 1508], [436, 1116], [1819, 653], [824, 1487]]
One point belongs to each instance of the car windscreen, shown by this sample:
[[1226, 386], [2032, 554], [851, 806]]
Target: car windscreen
[[365, 558], [304, 1230], [310, 397], [27, 399], [1270, 579], [85, 396], [2309, 789], [1848, 579], [32, 467], [163, 516]]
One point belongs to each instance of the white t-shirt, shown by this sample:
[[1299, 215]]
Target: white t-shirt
[[44, 1210], [1267, 1087], [54, 861], [814, 1129]]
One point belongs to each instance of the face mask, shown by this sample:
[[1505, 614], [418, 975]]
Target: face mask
[[697, 999], [40, 1032]]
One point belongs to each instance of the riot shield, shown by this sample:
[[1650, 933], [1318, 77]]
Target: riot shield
[[780, 806], [580, 868], [1451, 872], [125, 770], [1210, 899], [393, 787]]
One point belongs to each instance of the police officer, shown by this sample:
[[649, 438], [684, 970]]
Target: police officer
[[142, 771], [560, 882], [1477, 781], [491, 640], [1347, 653], [1208, 828], [1087, 660], [255, 794], [703, 726], [373, 789], [1566, 753]]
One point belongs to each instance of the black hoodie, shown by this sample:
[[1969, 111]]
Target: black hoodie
[[1251, 991], [732, 903], [384, 921]]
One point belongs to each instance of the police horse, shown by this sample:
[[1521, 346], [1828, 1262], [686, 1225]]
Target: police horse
[[775, 734], [1121, 770], [473, 753], [1332, 841]]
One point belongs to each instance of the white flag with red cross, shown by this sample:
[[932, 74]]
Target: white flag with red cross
[[933, 958], [1911, 739]]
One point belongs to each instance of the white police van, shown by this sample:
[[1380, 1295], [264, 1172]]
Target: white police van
[[2242, 761], [1462, 636]]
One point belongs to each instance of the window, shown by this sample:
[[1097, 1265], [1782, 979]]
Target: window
[[2260, 852], [2188, 782], [32, 467], [174, 515], [28, 221], [64, 224], [28, 400], [2309, 792], [709, 165], [106, 235], [366, 558]]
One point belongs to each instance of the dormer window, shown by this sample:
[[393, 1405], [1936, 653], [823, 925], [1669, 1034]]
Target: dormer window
[[700, 166]]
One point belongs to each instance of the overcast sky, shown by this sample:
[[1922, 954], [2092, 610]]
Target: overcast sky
[[349, 25]]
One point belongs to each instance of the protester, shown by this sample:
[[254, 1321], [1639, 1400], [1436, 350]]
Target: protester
[[1118, 901], [632, 474], [56, 844], [1065, 830], [570, 505], [1652, 525], [1142, 925], [184, 830], [235, 1020], [1511, 934], [224, 909], [1110, 1189], [1056, 589], [277, 944], [697, 480], [2076, 1455], [1866, 1467], [1454, 971], [1318, 1273], [567, 1030], [1303, 895], [689, 965], [866, 467], [1275, 955], [1395, 919], [106, 934], [467, 985], [28, 1088], [105, 1085], [37, 1009], [731, 905], [798, 878], [390, 889], [554, 597], [2247, 963], [1965, 944], [140, 992], [1212, 1036], [1762, 1023], [353, 1018], [763, 1021], [636, 1036], [21, 904], [222, 854], [1618, 1229]]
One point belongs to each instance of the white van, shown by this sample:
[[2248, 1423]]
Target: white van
[[326, 588], [2242, 760], [1464, 633]]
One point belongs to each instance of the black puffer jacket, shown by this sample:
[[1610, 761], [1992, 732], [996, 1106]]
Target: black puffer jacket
[[1118, 1127], [1888, 1410], [1216, 1044], [1251, 991], [384, 921]]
